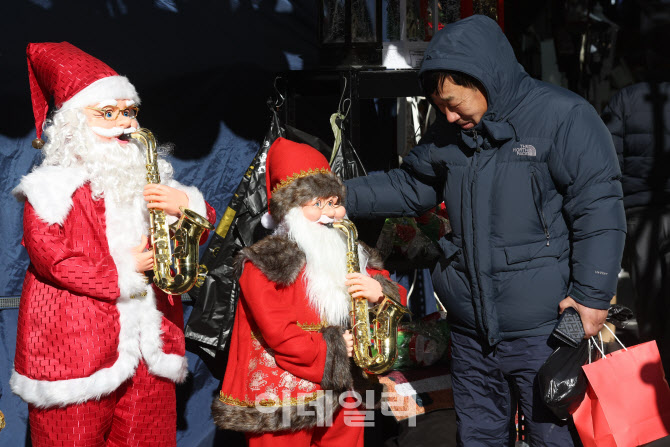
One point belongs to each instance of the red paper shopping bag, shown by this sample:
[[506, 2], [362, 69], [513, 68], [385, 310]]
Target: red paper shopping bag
[[627, 402]]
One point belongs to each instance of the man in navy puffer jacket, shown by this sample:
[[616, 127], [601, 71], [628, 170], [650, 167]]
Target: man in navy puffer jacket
[[530, 179], [638, 117]]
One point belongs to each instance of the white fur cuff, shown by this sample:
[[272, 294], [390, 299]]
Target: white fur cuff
[[130, 281], [196, 202]]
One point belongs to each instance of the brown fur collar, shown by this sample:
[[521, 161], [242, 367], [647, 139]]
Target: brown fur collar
[[375, 259], [281, 260], [337, 370], [389, 288]]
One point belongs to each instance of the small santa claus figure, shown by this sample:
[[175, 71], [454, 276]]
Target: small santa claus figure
[[289, 352], [98, 348]]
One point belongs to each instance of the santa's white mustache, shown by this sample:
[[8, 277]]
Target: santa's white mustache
[[325, 219], [113, 132]]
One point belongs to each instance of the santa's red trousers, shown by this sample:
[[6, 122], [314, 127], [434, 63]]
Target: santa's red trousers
[[346, 430], [141, 412]]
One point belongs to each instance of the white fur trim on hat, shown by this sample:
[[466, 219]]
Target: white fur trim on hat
[[111, 87]]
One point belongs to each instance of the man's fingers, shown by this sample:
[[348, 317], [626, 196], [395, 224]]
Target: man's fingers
[[592, 329], [567, 302]]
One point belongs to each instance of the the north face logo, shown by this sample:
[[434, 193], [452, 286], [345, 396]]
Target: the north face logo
[[525, 149]]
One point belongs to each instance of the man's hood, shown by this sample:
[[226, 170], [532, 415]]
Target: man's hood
[[477, 46]]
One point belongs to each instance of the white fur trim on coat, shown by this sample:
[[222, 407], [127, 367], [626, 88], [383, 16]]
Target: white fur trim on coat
[[139, 337], [45, 393], [125, 227], [139, 319], [171, 366], [49, 190]]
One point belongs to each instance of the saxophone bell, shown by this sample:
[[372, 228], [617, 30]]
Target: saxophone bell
[[375, 342], [183, 260]]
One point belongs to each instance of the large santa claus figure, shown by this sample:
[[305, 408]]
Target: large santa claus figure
[[99, 348], [289, 363]]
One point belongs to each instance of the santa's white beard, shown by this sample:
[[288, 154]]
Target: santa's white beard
[[326, 265], [117, 171]]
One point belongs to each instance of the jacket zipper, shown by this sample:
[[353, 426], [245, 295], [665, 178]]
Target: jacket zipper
[[538, 206], [474, 233]]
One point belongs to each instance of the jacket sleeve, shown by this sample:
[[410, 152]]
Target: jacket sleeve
[[408, 191], [52, 256], [300, 352], [585, 169]]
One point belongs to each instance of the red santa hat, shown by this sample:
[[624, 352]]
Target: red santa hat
[[74, 79], [296, 173]]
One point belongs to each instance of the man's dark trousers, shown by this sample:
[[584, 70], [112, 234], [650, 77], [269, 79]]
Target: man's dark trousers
[[487, 382]]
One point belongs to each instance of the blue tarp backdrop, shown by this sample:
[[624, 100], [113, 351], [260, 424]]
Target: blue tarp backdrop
[[204, 70]]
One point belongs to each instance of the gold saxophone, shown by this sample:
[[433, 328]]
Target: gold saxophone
[[186, 233], [375, 343]]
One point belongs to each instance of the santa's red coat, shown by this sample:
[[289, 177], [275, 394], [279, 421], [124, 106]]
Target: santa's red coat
[[86, 317], [280, 350], [276, 350]]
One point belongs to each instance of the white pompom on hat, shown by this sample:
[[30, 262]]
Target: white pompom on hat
[[268, 222]]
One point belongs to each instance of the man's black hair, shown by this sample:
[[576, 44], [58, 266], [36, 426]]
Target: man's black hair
[[431, 81]]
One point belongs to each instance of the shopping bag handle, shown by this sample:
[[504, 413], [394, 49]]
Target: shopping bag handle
[[601, 348]]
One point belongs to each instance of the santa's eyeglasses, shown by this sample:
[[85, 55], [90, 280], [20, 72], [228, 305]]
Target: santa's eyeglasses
[[112, 112], [321, 204]]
